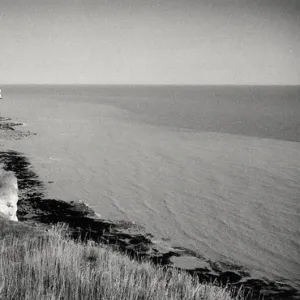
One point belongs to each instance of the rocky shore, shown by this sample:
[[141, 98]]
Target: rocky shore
[[9, 132], [83, 223]]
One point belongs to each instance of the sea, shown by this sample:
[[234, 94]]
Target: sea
[[214, 169]]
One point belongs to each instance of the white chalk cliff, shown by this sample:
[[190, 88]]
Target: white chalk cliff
[[8, 195]]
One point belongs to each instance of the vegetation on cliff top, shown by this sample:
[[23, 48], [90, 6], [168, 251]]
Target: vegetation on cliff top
[[39, 265]]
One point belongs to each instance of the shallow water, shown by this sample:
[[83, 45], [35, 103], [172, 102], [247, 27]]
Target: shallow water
[[216, 170]]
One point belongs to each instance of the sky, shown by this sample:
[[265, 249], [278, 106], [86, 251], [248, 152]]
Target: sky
[[238, 42]]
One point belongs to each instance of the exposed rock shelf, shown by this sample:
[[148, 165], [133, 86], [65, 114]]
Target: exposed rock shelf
[[9, 132]]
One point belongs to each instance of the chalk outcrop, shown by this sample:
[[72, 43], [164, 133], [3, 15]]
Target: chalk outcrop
[[8, 195]]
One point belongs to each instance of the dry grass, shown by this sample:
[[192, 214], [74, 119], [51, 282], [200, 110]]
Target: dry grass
[[51, 266]]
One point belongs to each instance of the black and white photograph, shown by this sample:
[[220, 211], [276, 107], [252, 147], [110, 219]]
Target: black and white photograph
[[149, 149]]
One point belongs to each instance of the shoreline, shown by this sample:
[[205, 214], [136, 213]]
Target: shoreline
[[126, 237]]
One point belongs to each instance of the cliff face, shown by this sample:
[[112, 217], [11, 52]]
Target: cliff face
[[8, 181], [8, 195]]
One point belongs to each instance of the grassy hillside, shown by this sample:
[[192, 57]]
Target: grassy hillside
[[38, 265]]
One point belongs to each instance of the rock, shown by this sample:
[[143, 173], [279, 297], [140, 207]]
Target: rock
[[229, 277], [8, 195]]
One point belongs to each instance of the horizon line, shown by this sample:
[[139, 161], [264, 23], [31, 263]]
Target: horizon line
[[141, 84]]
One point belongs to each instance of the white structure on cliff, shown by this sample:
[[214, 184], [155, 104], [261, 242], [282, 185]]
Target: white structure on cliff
[[8, 195]]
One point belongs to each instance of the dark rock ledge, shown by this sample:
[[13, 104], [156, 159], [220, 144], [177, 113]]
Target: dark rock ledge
[[126, 237]]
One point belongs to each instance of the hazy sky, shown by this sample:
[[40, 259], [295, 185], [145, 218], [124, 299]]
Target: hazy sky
[[150, 41]]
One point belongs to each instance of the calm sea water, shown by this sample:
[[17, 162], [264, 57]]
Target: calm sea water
[[213, 169]]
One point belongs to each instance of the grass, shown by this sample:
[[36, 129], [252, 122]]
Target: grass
[[39, 265]]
